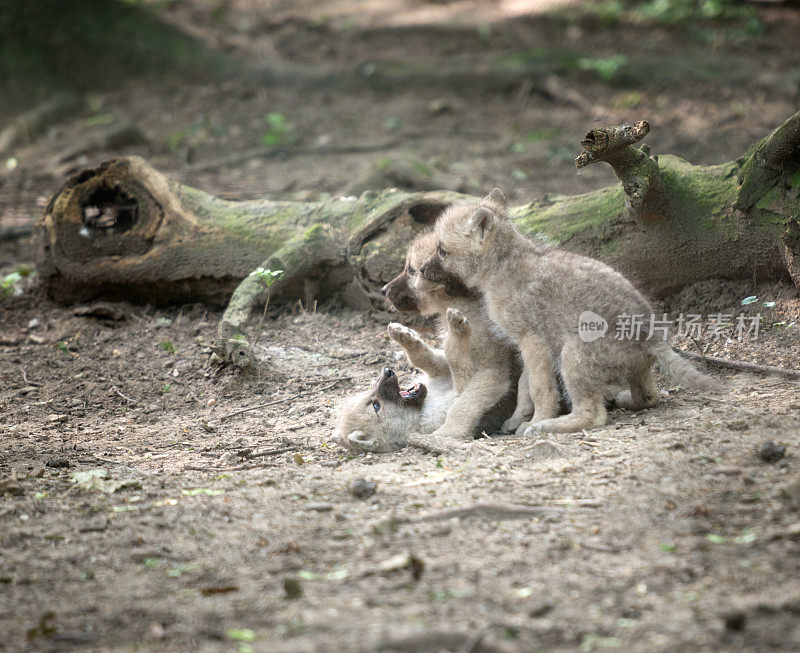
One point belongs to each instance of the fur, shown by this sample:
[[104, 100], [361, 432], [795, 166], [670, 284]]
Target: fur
[[535, 294]]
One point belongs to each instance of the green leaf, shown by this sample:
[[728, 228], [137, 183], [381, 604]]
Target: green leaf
[[202, 490], [100, 119], [668, 547], [84, 477], [745, 538], [167, 346], [716, 539], [241, 634]]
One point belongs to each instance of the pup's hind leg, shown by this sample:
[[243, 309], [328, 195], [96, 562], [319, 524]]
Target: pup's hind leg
[[586, 393], [420, 354], [644, 392], [483, 391], [524, 408]]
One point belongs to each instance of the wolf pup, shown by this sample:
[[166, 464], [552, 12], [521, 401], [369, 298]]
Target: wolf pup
[[485, 366], [382, 418], [537, 296]]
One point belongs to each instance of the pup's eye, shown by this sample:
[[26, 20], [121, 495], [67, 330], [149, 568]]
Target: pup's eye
[[376, 405], [441, 250], [411, 271]]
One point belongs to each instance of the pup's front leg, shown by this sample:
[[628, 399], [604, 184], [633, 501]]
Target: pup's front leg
[[543, 388], [420, 354]]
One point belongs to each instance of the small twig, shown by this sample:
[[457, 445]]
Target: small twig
[[481, 509], [700, 349], [271, 452], [741, 366], [473, 643], [15, 232], [27, 380], [284, 400], [128, 399]]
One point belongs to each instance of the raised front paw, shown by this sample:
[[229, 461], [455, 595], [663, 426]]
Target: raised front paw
[[456, 321], [403, 335]]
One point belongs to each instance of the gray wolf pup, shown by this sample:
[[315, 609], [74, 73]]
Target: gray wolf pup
[[538, 296]]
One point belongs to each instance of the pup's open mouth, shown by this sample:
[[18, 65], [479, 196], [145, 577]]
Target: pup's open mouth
[[388, 389], [412, 392], [414, 395]]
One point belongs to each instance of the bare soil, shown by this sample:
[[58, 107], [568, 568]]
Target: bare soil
[[663, 531]]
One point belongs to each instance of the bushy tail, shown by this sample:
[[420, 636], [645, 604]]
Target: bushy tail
[[682, 371]]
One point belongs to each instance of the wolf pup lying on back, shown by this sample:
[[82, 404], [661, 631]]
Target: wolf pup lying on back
[[382, 418], [536, 295]]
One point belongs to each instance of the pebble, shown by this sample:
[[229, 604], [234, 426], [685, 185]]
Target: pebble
[[363, 489], [545, 450], [727, 470], [769, 452]]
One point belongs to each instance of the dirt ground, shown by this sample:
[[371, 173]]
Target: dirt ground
[[211, 528]]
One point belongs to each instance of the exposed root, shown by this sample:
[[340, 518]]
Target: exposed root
[[741, 366], [494, 511]]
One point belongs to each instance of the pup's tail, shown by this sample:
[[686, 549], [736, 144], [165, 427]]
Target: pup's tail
[[678, 368]]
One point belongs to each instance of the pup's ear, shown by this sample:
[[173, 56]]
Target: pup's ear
[[481, 222], [360, 440], [496, 197]]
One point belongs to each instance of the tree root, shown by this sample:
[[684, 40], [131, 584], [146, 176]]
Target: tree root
[[741, 366], [486, 510]]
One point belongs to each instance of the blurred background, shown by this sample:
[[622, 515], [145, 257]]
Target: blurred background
[[295, 98]]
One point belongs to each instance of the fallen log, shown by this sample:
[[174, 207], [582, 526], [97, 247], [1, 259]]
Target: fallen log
[[123, 230]]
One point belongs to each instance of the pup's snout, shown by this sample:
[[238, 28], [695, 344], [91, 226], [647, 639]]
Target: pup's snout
[[424, 271], [388, 373]]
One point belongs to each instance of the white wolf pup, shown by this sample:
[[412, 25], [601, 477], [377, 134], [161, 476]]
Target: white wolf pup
[[536, 295], [382, 418]]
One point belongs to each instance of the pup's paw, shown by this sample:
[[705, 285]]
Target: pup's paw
[[531, 429], [450, 434], [403, 335], [512, 424], [438, 444], [456, 321], [520, 430]]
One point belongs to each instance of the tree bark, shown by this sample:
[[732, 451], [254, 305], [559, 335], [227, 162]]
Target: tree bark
[[124, 230]]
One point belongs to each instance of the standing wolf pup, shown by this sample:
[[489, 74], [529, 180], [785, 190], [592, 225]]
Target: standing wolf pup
[[536, 295]]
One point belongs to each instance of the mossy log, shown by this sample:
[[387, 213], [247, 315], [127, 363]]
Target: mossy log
[[124, 230]]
